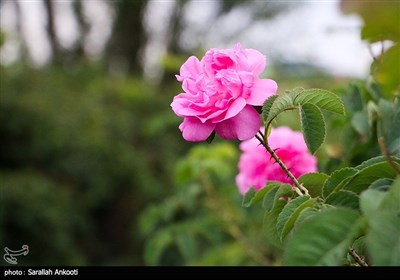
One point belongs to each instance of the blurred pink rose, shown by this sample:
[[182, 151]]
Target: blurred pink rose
[[220, 92], [256, 166]]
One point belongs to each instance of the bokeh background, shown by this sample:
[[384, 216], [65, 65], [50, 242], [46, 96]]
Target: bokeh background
[[93, 168]]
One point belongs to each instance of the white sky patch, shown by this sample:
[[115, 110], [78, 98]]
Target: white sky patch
[[200, 17], [10, 50], [100, 18], [66, 26], [315, 32], [156, 22], [34, 29], [332, 40]]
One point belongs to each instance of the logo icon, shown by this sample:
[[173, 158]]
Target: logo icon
[[10, 255]]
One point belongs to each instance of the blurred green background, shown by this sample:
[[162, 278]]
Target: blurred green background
[[93, 168]]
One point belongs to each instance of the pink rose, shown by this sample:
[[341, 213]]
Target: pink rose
[[220, 92], [256, 166]]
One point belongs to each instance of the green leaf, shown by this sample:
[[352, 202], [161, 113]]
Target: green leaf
[[373, 92], [353, 98], [298, 97], [370, 162], [290, 213], [385, 115], [187, 245], [267, 106], [359, 228], [313, 126], [322, 240], [156, 246], [364, 178], [343, 199], [370, 200], [383, 238], [381, 19], [373, 113], [227, 253], [277, 191], [381, 184], [248, 198], [306, 214], [383, 212], [389, 125], [336, 179], [395, 132], [359, 121], [269, 198], [279, 104], [271, 217], [295, 92], [313, 182], [387, 69], [392, 199], [322, 99], [394, 145], [252, 196]]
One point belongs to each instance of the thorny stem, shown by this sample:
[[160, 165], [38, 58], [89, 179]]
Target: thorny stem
[[386, 153], [356, 257], [298, 188], [232, 226]]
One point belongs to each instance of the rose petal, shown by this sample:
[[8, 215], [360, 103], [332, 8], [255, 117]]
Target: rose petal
[[235, 108], [190, 86], [285, 137], [255, 61], [261, 90], [190, 69], [247, 78], [242, 184], [243, 126], [256, 167], [194, 130]]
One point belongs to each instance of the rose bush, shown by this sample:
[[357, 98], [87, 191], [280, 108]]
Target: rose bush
[[256, 167], [348, 213], [220, 91]]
